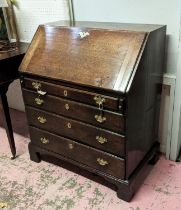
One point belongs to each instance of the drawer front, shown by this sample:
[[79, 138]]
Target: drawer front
[[89, 114], [94, 99], [99, 138], [84, 154]]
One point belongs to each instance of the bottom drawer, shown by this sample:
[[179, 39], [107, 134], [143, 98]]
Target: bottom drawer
[[86, 155]]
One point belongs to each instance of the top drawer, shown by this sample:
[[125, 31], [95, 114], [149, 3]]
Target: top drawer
[[113, 103]]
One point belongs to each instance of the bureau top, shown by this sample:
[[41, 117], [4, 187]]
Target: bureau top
[[94, 57], [108, 25]]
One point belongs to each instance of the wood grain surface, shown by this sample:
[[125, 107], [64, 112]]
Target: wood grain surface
[[104, 58], [83, 154]]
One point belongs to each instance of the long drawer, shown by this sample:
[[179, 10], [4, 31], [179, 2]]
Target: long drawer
[[94, 158], [99, 138], [113, 103], [75, 110]]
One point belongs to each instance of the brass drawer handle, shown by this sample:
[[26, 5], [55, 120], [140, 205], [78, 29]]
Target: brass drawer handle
[[101, 139], [71, 146], [102, 162], [42, 93], [44, 141], [69, 125], [42, 120], [36, 85], [39, 101], [99, 100], [65, 92], [100, 118], [67, 106]]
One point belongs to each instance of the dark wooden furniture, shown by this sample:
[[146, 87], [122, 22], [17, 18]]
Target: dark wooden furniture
[[92, 97], [9, 63]]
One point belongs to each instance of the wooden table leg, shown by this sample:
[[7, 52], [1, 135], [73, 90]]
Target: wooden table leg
[[7, 121]]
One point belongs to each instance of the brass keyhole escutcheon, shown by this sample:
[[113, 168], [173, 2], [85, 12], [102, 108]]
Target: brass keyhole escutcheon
[[65, 92], [102, 162], [67, 106], [71, 146], [42, 120], [44, 141], [69, 125]]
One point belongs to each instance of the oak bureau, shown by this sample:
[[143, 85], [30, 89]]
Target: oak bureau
[[92, 97]]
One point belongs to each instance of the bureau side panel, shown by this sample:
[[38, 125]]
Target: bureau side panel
[[143, 101]]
